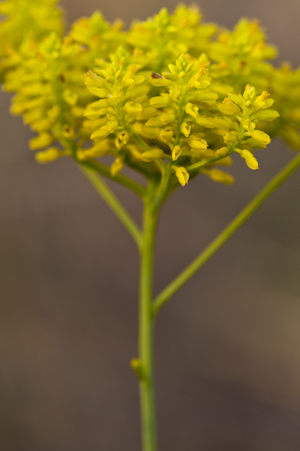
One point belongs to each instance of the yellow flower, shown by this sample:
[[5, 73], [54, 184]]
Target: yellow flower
[[160, 102], [192, 110], [250, 160], [219, 176], [117, 166], [121, 139], [48, 155], [43, 140], [176, 152], [147, 95], [182, 175], [261, 137], [185, 129], [152, 155]]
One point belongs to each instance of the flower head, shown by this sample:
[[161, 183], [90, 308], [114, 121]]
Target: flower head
[[162, 97]]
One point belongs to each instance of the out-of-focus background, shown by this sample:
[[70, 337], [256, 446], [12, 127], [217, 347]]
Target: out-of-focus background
[[227, 345]]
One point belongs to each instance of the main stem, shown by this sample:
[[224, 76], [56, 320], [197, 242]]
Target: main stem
[[146, 324]]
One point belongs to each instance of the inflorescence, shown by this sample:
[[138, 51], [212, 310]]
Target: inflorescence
[[169, 94]]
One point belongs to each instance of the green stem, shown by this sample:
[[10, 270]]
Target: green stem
[[114, 204], [146, 324], [140, 142], [272, 186], [119, 178], [163, 188], [202, 164]]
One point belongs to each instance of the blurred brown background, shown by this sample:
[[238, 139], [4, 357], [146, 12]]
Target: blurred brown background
[[227, 346]]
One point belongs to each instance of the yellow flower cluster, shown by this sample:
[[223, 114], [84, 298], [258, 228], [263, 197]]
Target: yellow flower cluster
[[51, 95], [25, 20], [98, 37], [169, 95], [285, 84], [123, 97], [185, 123], [241, 56], [163, 38]]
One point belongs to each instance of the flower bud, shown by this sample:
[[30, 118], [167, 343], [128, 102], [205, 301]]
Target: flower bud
[[43, 140], [151, 133], [160, 101], [121, 139], [265, 115], [250, 160], [191, 109], [249, 126], [230, 137], [48, 155], [197, 143], [176, 152], [228, 107], [159, 82], [100, 133], [151, 155], [207, 122], [166, 135], [166, 118], [261, 137], [185, 129], [138, 367], [133, 108], [219, 176], [238, 99], [222, 152], [112, 126], [154, 122], [249, 93], [182, 175], [117, 166]]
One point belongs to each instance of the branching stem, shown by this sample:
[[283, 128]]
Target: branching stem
[[119, 178], [114, 204], [272, 186]]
